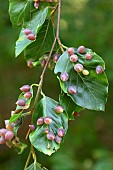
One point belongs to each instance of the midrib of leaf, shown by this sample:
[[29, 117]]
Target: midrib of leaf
[[34, 165], [89, 89], [46, 31], [16, 116], [83, 79], [91, 81], [16, 10], [45, 34], [67, 65], [41, 20], [22, 11], [31, 168], [95, 89]]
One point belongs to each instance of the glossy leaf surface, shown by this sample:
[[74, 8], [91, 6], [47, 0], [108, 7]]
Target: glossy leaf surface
[[92, 89], [35, 24], [46, 107], [43, 42]]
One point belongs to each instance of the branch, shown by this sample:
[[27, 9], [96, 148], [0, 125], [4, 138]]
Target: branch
[[52, 48], [42, 78], [28, 159], [58, 26], [45, 67]]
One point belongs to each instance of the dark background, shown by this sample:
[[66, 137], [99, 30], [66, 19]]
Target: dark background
[[89, 142]]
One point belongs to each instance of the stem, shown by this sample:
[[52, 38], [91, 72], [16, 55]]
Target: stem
[[52, 48], [38, 93], [60, 44], [54, 9], [25, 114], [34, 85], [43, 94], [39, 90], [58, 21], [58, 26], [33, 153], [28, 159], [64, 46], [28, 132], [42, 75]]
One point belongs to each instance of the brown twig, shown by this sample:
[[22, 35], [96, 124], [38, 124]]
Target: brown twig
[[42, 78], [58, 27], [52, 48], [45, 67]]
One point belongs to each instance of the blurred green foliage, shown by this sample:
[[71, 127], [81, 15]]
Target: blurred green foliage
[[89, 141]]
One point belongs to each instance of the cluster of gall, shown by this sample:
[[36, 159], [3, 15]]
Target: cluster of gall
[[57, 137], [41, 121], [47, 120], [52, 61], [60, 132], [29, 34], [6, 134], [88, 56], [79, 67], [27, 95]]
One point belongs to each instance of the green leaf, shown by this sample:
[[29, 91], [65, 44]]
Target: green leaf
[[92, 89], [36, 63], [43, 42], [20, 11], [15, 117], [35, 24], [28, 101], [46, 107], [17, 126], [19, 146], [69, 106], [35, 166]]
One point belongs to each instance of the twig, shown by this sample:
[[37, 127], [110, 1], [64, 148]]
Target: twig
[[28, 132], [28, 159], [58, 27], [53, 11], [33, 153], [58, 21], [42, 78], [52, 48], [26, 114], [60, 44]]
